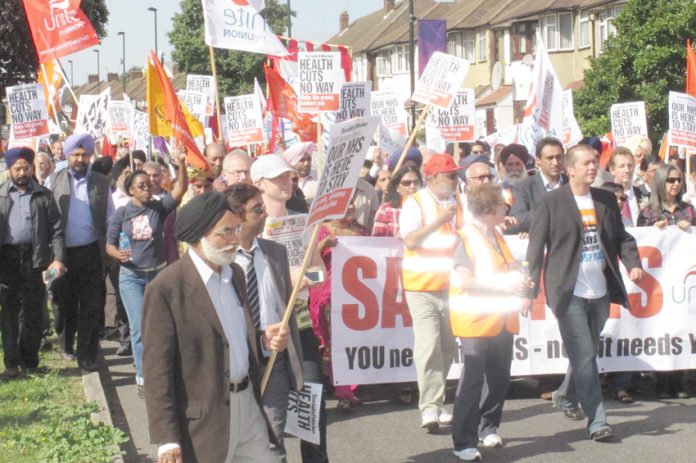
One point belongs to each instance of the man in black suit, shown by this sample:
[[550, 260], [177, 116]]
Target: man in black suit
[[622, 166], [549, 156], [580, 230]]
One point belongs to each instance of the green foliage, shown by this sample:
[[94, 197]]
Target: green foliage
[[236, 69], [644, 61], [18, 59]]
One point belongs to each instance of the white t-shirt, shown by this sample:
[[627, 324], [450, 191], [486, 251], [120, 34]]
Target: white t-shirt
[[591, 282]]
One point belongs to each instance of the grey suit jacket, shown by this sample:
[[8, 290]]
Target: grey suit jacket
[[557, 232], [277, 261], [526, 194], [186, 363]]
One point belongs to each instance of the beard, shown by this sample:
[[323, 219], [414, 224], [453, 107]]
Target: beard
[[218, 256], [513, 178], [21, 180]]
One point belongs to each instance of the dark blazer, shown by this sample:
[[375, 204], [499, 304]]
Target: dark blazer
[[526, 194], [277, 261], [186, 363], [558, 231]]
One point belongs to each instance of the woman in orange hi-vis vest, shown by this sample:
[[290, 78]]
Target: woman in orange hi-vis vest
[[484, 313]]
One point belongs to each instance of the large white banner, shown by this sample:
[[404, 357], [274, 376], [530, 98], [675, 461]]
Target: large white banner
[[372, 338]]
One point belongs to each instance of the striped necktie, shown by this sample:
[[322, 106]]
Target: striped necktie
[[252, 288]]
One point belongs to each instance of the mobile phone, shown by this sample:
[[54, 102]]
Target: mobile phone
[[317, 276]]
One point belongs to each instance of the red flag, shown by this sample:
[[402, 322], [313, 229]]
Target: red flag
[[690, 69], [282, 102], [174, 114], [59, 28]]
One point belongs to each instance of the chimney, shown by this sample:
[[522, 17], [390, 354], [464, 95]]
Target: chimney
[[111, 76], [136, 74], [92, 79], [389, 5], [343, 21]]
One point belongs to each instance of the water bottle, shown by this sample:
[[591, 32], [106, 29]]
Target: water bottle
[[124, 242], [524, 270]]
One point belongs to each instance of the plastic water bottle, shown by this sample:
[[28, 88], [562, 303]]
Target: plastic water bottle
[[124, 242], [524, 270]]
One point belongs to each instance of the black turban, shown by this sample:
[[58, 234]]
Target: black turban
[[198, 216]]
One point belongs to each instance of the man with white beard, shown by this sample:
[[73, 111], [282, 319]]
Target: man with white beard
[[202, 349]]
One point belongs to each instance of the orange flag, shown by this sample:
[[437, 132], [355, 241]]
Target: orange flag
[[690, 69], [282, 102], [160, 89], [51, 77]]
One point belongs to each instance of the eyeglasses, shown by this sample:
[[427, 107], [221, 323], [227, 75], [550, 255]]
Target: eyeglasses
[[259, 209], [225, 231], [76, 154], [237, 173], [481, 178], [672, 180], [142, 186], [408, 183]]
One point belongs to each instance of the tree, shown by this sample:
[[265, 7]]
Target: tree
[[642, 62], [18, 60], [235, 69]]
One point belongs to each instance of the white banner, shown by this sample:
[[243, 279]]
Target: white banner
[[237, 25], [243, 120], [28, 112], [303, 413], [682, 119], [571, 129], [627, 121], [354, 100], [93, 114], [203, 84], [321, 77], [458, 123], [195, 102], [140, 128], [372, 338], [440, 80], [385, 104]]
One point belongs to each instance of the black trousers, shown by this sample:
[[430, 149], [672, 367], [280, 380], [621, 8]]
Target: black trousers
[[312, 372], [79, 298], [22, 298]]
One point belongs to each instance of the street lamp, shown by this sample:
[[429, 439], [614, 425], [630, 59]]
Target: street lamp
[[154, 10], [289, 20], [72, 82], [123, 34], [412, 58], [98, 67]]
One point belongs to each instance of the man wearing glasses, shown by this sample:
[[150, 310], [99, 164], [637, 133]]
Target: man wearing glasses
[[235, 167], [85, 204], [428, 223]]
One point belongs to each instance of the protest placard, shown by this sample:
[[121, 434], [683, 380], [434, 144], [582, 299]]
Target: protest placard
[[120, 116], [140, 129], [354, 101], [28, 112], [389, 140], [244, 120], [385, 104], [458, 123], [440, 81], [344, 158], [196, 103], [303, 415], [93, 114], [321, 77], [627, 121], [571, 129], [682, 119], [288, 232], [203, 84]]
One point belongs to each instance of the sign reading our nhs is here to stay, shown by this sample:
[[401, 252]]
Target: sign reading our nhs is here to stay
[[320, 81]]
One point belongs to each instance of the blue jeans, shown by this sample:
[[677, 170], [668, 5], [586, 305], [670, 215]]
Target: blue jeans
[[580, 326], [132, 288]]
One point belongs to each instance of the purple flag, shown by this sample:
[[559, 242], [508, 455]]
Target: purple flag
[[432, 37]]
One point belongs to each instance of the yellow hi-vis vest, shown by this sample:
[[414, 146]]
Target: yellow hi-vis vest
[[479, 316], [427, 268]]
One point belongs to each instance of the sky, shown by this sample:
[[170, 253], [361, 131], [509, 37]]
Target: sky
[[316, 20]]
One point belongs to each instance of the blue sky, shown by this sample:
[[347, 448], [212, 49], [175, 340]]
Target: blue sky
[[316, 20]]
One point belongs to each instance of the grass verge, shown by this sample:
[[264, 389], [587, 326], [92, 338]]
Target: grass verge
[[45, 417]]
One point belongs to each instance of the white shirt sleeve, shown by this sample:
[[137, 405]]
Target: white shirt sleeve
[[410, 219], [166, 448]]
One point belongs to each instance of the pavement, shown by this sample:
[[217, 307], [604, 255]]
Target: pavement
[[380, 430]]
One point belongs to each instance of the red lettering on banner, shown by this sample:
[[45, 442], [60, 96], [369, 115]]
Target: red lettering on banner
[[392, 287], [539, 306], [648, 284], [353, 285]]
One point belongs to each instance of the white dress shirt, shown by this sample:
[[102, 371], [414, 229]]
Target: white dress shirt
[[269, 295]]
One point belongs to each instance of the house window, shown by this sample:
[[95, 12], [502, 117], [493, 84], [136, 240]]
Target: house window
[[550, 32], [454, 44], [585, 38], [558, 31], [359, 68], [468, 44], [606, 22], [384, 64], [400, 59], [483, 46], [523, 39]]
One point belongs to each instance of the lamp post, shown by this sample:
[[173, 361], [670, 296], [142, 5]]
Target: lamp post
[[289, 20], [71, 72], [154, 10], [98, 68], [412, 58], [123, 35]]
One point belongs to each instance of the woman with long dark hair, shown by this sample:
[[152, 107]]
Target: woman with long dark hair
[[405, 181]]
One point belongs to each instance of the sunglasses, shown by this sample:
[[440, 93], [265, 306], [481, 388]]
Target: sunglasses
[[481, 178], [408, 183], [672, 180], [259, 209], [142, 186]]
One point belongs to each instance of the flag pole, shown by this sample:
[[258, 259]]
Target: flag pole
[[55, 112], [412, 136], [67, 83], [217, 92]]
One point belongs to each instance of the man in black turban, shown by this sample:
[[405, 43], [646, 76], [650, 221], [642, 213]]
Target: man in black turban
[[201, 347]]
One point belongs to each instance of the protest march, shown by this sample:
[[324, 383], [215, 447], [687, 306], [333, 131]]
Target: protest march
[[340, 220]]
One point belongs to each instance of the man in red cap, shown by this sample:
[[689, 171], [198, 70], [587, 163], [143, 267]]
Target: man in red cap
[[428, 224]]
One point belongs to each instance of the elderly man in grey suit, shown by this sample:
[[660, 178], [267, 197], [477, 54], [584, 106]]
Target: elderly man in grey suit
[[202, 349]]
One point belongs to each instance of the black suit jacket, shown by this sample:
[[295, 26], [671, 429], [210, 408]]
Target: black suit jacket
[[186, 363], [526, 194], [558, 231]]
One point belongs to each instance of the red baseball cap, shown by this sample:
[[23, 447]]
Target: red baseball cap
[[440, 163]]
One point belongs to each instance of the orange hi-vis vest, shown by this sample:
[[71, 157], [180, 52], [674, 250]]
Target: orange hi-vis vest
[[427, 268], [479, 316]]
